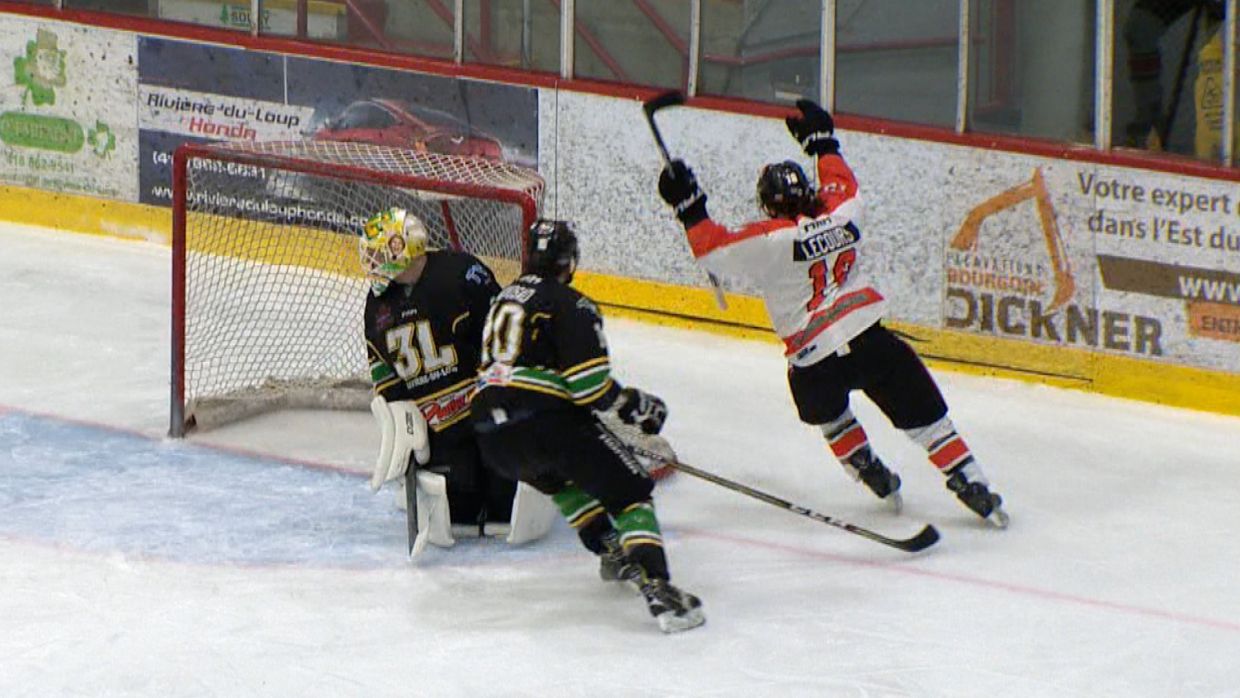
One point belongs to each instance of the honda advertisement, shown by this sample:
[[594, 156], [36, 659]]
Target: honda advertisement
[[200, 93]]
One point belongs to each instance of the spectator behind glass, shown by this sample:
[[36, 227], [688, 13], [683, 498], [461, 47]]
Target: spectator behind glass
[[1154, 122]]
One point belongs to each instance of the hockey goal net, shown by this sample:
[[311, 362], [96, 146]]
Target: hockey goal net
[[267, 285]]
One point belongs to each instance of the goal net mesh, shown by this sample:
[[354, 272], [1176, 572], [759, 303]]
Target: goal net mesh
[[273, 284]]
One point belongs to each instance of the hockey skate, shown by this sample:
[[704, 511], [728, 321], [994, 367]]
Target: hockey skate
[[978, 497], [615, 566], [865, 467], [675, 610]]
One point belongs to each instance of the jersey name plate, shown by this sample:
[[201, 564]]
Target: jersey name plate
[[819, 238]]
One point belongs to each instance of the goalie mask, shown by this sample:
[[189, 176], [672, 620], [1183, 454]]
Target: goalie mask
[[552, 250], [784, 191], [390, 241]]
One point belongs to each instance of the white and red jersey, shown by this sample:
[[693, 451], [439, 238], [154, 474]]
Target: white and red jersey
[[808, 270]]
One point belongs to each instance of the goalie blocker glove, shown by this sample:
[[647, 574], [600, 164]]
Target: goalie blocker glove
[[403, 433], [814, 129], [679, 188]]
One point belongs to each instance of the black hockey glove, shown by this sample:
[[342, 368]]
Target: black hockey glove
[[813, 129], [679, 188], [642, 410]]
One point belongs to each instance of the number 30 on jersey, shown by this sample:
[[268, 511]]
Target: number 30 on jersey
[[501, 338]]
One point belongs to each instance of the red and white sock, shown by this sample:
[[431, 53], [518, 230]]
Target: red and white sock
[[845, 436], [948, 451]]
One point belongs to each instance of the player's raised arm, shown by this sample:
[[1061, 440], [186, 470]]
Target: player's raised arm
[[720, 250], [814, 129]]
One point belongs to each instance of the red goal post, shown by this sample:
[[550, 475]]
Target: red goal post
[[267, 284]]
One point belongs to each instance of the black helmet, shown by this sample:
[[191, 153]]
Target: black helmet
[[551, 251], [784, 191]]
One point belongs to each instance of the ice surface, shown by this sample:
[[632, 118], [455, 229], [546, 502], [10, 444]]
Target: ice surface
[[254, 561]]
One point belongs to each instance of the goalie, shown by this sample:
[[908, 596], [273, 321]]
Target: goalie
[[423, 326]]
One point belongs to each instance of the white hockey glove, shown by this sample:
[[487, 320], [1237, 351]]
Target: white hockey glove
[[403, 430]]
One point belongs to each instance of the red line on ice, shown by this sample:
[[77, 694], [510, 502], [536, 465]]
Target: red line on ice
[[974, 581]]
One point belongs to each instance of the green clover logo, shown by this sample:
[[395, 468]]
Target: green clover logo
[[101, 139], [41, 70]]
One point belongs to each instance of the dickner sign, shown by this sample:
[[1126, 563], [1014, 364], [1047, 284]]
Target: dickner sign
[[1017, 290]]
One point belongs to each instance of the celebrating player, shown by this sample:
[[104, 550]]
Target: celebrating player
[[423, 324], [805, 257], [545, 398]]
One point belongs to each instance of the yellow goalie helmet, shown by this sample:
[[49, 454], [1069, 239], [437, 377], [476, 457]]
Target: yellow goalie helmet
[[390, 241]]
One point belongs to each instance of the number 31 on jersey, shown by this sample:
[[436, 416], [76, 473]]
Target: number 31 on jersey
[[415, 351]]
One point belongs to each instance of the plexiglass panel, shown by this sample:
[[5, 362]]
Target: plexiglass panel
[[643, 42], [897, 59], [765, 51], [522, 34], [1032, 68]]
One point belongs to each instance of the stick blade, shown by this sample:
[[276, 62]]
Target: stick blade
[[671, 98], [925, 538]]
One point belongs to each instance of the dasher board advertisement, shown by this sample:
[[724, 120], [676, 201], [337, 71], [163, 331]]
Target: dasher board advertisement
[[66, 108], [199, 93], [1094, 257]]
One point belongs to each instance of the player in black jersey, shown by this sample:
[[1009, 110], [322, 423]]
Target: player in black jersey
[[423, 326], [545, 399]]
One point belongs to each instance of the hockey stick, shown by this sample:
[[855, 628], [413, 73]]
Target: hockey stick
[[672, 98], [664, 100], [925, 538]]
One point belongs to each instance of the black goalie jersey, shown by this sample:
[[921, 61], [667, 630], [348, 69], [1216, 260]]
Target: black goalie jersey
[[543, 348], [423, 340]]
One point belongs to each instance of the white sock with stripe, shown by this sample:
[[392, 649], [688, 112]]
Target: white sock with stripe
[[845, 436], [948, 451]]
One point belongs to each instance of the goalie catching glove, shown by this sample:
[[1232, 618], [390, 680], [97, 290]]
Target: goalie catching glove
[[403, 430]]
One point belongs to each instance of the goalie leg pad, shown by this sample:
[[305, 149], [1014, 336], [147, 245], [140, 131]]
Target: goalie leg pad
[[433, 513], [387, 430], [533, 513], [401, 503]]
